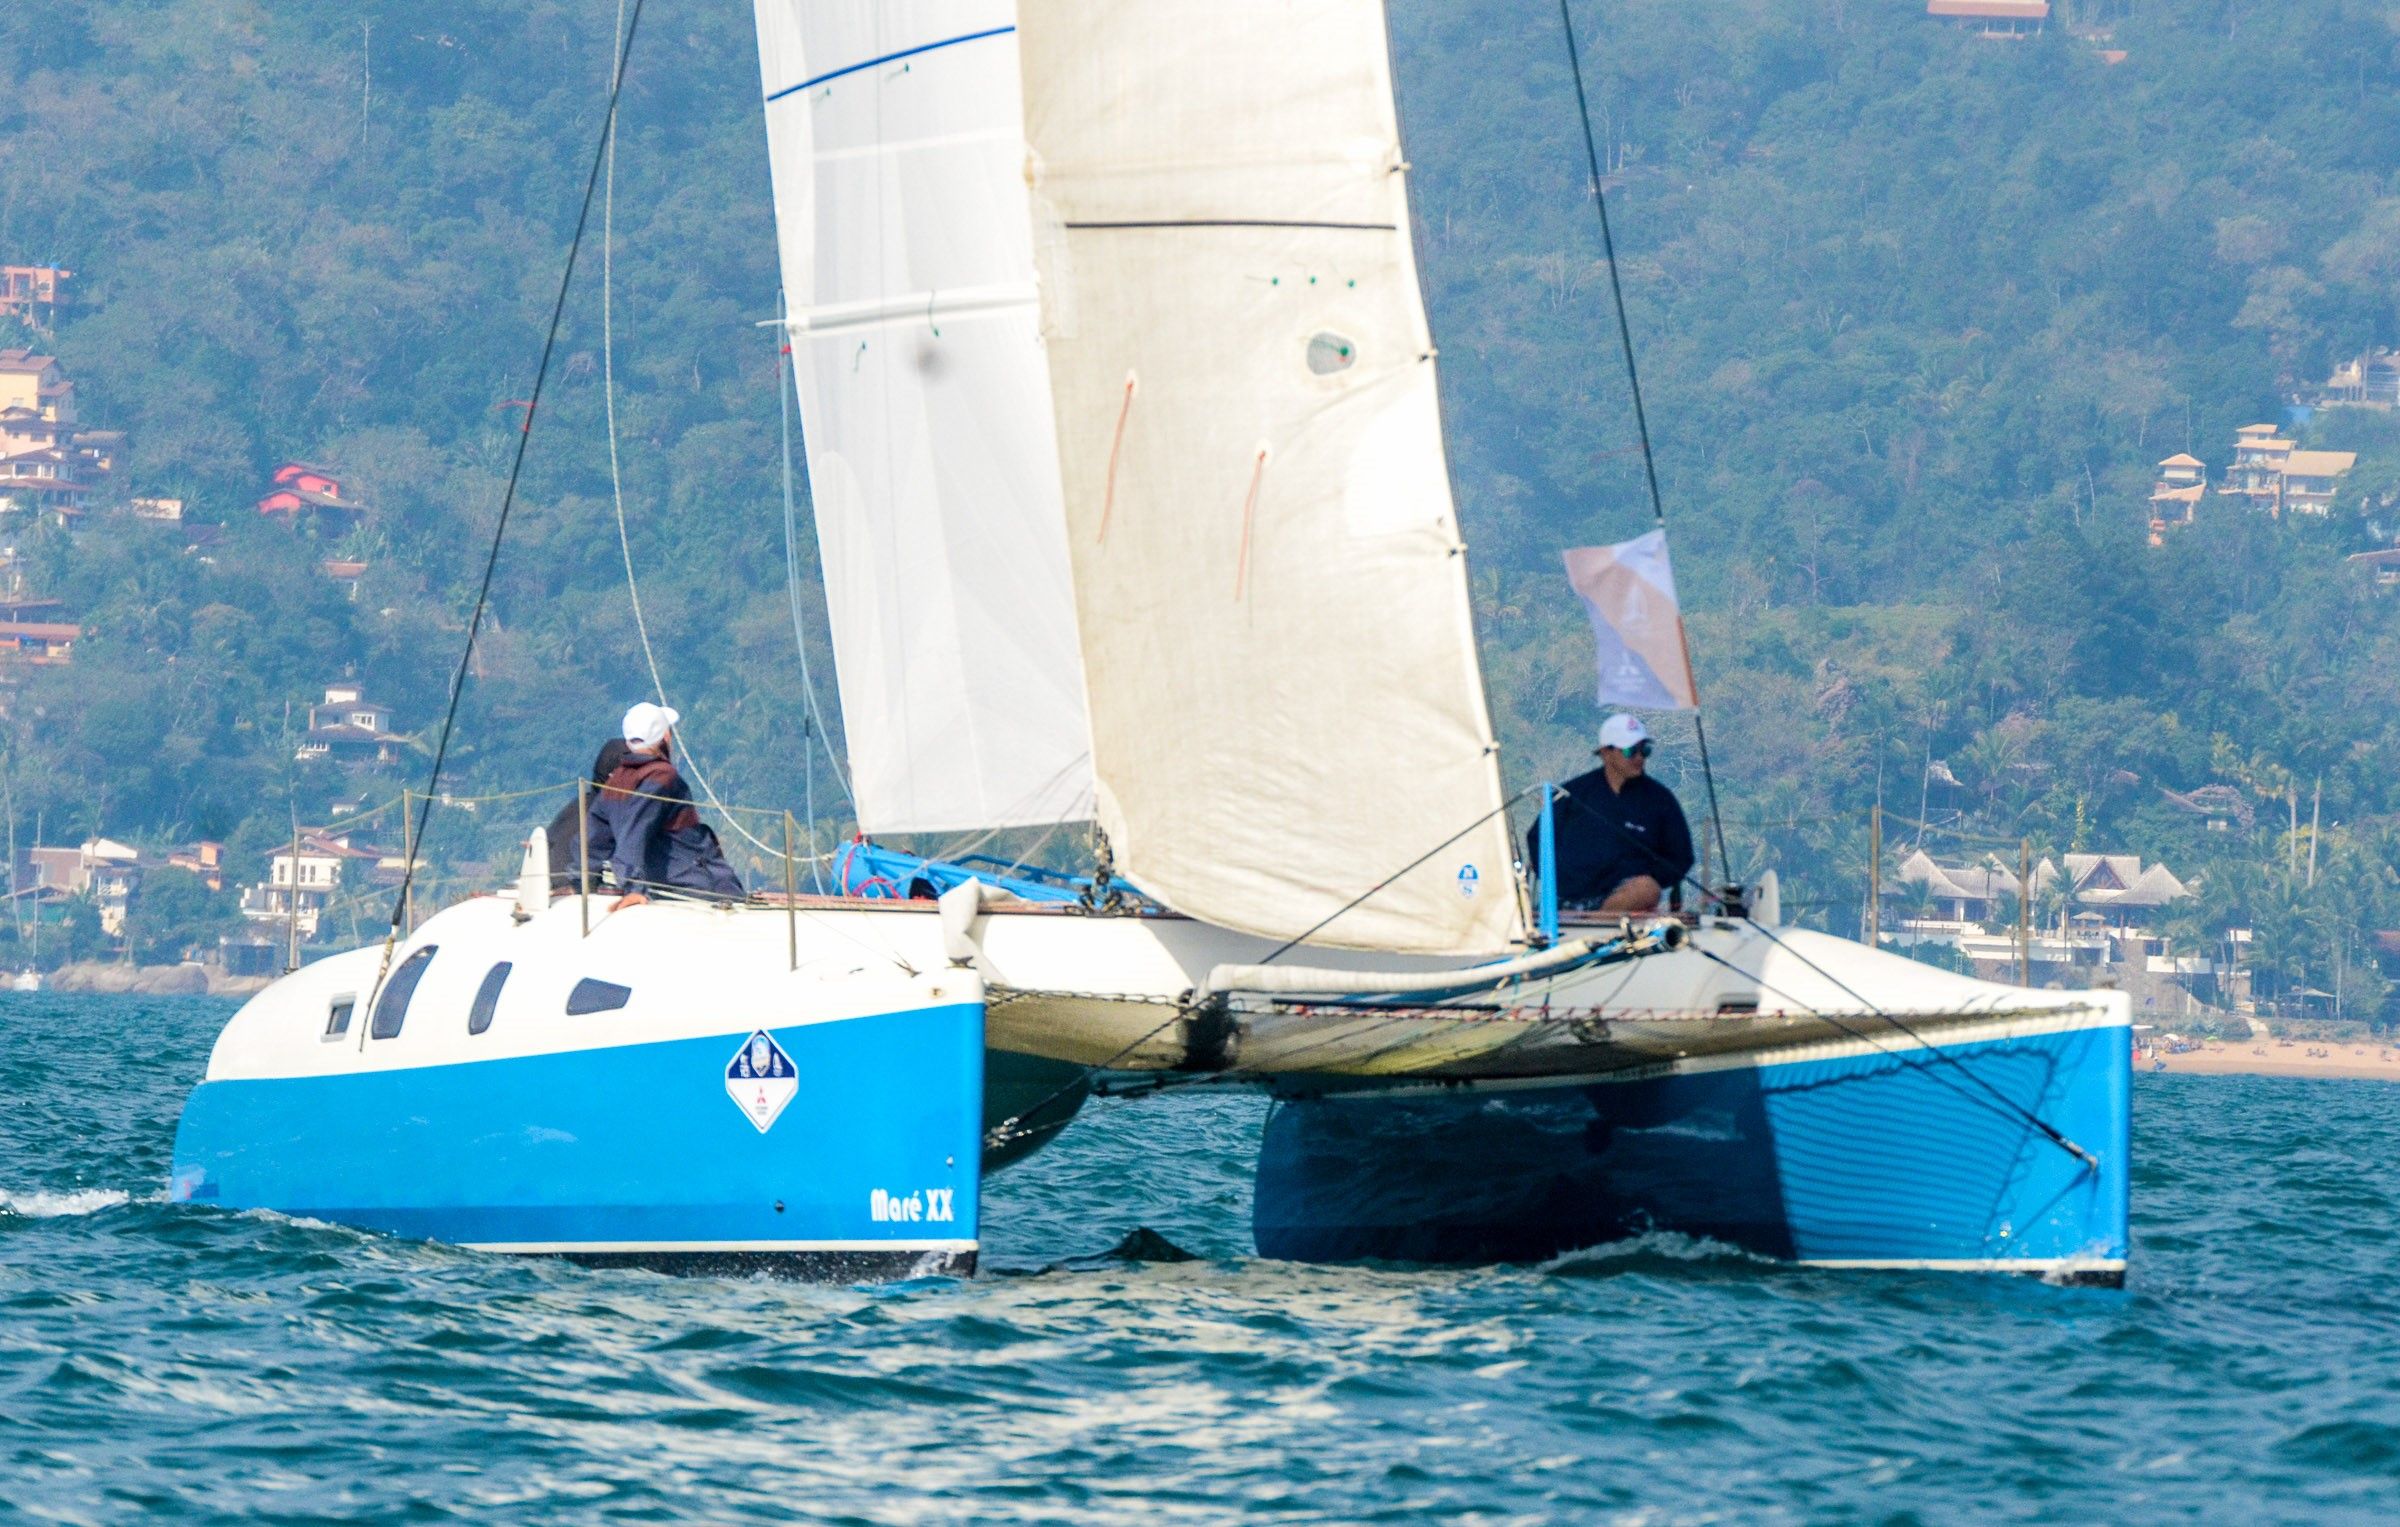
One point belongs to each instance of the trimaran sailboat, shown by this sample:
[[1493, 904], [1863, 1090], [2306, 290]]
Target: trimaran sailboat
[[1124, 444]]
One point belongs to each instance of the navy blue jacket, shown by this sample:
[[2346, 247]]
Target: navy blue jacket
[[655, 836], [1606, 837]]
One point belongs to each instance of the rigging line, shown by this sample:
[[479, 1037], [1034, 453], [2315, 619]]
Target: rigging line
[[791, 593], [1294, 942], [1006, 1130], [616, 481], [1633, 382], [2007, 1106], [1895, 1021], [508, 497], [791, 562]]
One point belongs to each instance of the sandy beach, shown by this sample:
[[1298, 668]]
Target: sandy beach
[[2300, 1058]]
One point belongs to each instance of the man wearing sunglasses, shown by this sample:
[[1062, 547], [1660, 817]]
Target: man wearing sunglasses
[[1623, 843]]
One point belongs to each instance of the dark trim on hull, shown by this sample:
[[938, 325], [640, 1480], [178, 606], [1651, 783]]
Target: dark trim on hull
[[799, 1266]]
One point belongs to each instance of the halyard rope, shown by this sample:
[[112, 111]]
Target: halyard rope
[[508, 497]]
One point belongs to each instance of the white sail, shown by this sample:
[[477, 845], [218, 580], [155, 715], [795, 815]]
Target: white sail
[[896, 138], [1278, 651]]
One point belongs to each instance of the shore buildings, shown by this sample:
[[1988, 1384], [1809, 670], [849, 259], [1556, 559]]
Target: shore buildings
[[2275, 475], [350, 727], [1993, 18]]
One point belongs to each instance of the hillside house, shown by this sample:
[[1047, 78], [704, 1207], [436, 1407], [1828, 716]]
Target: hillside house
[[167, 511], [35, 382], [2257, 471], [1993, 18], [2382, 565], [2275, 475], [31, 292], [2121, 891], [2308, 480], [350, 726], [40, 642], [2175, 497], [299, 489], [205, 859], [345, 574], [304, 879], [101, 868], [2367, 380]]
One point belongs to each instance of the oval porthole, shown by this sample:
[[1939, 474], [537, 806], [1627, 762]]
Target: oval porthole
[[1329, 352], [590, 996], [487, 998], [391, 1008]]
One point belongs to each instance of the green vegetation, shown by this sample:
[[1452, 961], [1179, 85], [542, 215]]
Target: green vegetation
[[1918, 312]]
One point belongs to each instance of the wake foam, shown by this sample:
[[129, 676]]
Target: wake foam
[[42, 1204], [1651, 1246]]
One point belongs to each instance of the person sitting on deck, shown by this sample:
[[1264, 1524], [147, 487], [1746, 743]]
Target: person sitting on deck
[[1622, 838], [568, 853], [655, 835]]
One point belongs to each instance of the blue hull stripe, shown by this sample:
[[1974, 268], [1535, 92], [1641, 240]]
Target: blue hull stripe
[[869, 63], [1864, 1158], [629, 1145]]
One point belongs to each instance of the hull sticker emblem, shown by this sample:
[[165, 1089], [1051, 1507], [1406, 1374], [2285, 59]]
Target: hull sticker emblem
[[761, 1080]]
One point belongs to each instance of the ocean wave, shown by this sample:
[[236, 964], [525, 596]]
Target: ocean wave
[[40, 1203]]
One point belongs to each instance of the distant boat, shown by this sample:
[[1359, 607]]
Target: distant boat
[[26, 980]]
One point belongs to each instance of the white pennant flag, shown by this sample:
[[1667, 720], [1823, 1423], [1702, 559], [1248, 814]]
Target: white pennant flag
[[1629, 591]]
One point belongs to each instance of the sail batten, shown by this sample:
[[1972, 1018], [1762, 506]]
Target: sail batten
[[895, 134], [1286, 708]]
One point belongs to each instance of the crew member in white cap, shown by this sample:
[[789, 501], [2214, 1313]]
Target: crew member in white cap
[[1623, 842], [644, 813]]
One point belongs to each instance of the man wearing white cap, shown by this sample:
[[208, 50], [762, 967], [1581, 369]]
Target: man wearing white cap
[[1622, 838], [644, 812]]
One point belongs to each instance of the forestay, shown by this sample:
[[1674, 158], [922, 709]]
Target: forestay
[[895, 132], [1278, 652]]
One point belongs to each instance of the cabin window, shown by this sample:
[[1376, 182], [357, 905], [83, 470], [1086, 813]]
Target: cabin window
[[590, 996], [337, 1015], [487, 997], [391, 1009]]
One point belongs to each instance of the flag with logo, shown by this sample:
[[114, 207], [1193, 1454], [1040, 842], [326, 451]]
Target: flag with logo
[[1629, 591]]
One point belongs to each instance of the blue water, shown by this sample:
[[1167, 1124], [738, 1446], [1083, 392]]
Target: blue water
[[193, 1365]]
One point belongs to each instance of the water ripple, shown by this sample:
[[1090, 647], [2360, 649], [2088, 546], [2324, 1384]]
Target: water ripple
[[1124, 1355]]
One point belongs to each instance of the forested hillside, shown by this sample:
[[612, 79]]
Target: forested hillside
[[1917, 312]]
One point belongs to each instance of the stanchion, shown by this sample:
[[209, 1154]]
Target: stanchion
[[583, 850], [791, 896]]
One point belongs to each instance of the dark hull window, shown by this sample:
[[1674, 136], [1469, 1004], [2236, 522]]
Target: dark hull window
[[590, 996], [487, 997], [337, 1017], [391, 1009]]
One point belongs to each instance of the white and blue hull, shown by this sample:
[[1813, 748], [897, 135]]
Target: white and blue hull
[[616, 1135], [1855, 1153]]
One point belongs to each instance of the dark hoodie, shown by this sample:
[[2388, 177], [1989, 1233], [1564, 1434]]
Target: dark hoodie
[[564, 860]]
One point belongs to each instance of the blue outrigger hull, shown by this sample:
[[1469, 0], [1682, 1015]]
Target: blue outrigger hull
[[630, 1153], [1890, 1158]]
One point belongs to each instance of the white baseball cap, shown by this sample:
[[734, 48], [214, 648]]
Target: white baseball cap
[[646, 725], [1621, 731]]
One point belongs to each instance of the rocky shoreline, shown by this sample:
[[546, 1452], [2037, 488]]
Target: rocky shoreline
[[189, 979]]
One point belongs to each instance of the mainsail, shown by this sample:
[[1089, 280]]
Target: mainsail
[[1278, 649], [896, 136]]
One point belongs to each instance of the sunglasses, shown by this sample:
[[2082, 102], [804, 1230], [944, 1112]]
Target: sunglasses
[[1641, 749]]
